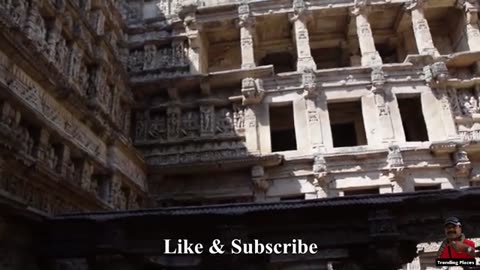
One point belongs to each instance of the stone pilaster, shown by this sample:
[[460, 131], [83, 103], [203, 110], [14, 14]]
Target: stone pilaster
[[260, 182], [370, 55], [64, 160], [247, 29], [300, 32], [251, 132], [197, 49], [423, 37], [471, 9], [313, 116], [41, 147], [380, 96]]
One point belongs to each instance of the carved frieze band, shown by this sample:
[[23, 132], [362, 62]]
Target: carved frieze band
[[177, 125], [41, 102]]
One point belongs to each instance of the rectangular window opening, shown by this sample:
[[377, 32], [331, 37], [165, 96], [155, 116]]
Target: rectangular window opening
[[428, 187], [365, 191], [346, 122], [293, 198], [282, 128], [412, 119]]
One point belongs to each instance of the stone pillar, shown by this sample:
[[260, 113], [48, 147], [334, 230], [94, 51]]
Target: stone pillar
[[300, 32], [42, 145], [471, 8], [381, 100], [64, 160], [313, 117], [251, 132], [260, 182], [423, 37], [370, 55], [247, 29], [197, 49]]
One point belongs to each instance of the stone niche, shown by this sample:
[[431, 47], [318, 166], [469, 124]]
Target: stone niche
[[223, 42], [347, 124], [447, 28], [275, 43]]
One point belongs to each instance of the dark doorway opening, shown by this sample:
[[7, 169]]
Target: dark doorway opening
[[412, 119], [282, 128]]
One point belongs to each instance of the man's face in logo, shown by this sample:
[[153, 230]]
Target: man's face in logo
[[453, 231]]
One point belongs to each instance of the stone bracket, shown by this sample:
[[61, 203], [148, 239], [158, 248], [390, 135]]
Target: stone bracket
[[252, 91]]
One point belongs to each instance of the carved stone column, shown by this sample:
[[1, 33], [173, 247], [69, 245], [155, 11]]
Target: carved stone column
[[251, 129], [436, 77], [299, 19], [370, 55], [252, 92], [64, 160], [197, 49], [423, 37], [313, 116], [42, 145], [471, 9], [380, 95], [247, 29], [86, 180]]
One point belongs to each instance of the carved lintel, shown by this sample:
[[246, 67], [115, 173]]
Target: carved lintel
[[446, 147], [259, 178], [252, 91]]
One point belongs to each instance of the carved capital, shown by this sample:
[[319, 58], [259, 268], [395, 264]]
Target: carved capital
[[462, 163], [252, 91], [360, 7], [436, 74], [377, 77], [469, 6], [245, 18], [309, 84], [415, 4], [319, 168]]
